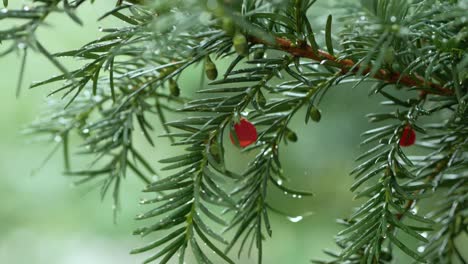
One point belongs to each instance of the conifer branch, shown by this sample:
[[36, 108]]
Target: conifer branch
[[303, 50], [277, 65]]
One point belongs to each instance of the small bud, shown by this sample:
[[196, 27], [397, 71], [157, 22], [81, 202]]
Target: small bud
[[240, 44], [260, 98], [214, 148], [215, 151], [315, 114], [389, 56], [174, 88], [258, 54], [290, 135], [210, 69], [228, 26], [166, 71]]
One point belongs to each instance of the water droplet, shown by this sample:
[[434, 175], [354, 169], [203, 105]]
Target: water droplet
[[393, 19], [421, 249], [4, 10], [279, 182], [295, 219], [57, 138], [85, 131]]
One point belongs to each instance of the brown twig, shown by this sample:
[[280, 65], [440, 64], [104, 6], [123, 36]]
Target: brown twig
[[305, 51]]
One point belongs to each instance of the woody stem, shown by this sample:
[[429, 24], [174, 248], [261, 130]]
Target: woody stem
[[346, 65]]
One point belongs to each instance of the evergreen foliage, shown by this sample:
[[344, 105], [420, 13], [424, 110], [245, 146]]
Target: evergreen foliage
[[412, 51]]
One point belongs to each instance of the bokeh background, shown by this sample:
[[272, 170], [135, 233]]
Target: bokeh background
[[44, 219]]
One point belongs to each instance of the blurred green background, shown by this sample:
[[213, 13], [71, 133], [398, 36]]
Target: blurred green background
[[45, 220]]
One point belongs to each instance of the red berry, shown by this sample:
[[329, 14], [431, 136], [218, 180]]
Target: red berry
[[408, 136], [246, 133]]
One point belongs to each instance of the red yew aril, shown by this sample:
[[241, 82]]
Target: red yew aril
[[245, 132], [408, 136]]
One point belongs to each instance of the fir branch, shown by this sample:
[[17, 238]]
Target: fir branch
[[279, 69]]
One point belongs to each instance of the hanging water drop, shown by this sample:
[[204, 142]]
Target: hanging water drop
[[295, 219]]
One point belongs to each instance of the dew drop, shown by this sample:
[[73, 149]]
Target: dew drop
[[393, 19], [295, 219], [421, 249]]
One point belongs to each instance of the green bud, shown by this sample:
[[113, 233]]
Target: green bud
[[315, 114], [389, 56], [240, 44], [215, 152], [260, 98], [258, 54], [166, 71], [228, 26], [210, 69], [174, 88], [290, 135]]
